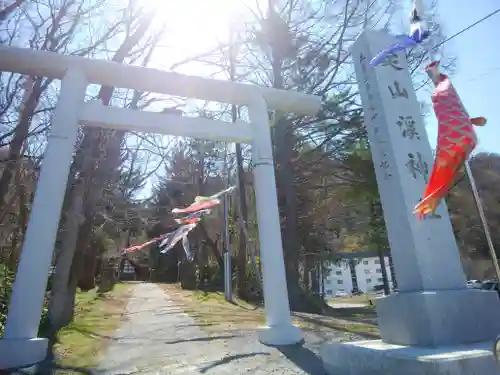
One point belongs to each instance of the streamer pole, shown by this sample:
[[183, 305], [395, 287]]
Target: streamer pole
[[482, 216]]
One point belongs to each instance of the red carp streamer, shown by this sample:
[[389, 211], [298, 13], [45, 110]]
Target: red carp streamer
[[197, 206], [456, 140], [132, 249]]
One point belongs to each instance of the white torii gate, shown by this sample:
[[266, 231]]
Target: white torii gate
[[20, 345]]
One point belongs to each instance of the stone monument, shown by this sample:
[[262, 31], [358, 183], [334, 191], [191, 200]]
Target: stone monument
[[434, 324]]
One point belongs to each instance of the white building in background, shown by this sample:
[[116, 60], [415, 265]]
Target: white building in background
[[368, 273]]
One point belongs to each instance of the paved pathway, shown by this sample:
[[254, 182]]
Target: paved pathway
[[159, 338]]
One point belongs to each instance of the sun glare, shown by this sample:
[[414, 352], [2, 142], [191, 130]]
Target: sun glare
[[196, 25]]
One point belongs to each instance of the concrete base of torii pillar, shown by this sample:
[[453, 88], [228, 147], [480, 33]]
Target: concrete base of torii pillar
[[434, 325], [22, 353]]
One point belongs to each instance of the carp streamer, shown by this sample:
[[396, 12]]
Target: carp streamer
[[196, 211], [456, 140], [418, 33], [203, 203]]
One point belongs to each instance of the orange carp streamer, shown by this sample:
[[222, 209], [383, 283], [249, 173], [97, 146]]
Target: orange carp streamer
[[456, 140]]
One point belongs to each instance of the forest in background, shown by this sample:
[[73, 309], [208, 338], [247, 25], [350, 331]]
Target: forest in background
[[122, 186]]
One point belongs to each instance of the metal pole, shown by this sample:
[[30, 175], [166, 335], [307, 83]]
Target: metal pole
[[482, 216], [228, 282]]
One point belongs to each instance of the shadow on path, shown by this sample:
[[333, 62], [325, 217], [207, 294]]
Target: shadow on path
[[303, 358], [50, 368], [230, 358], [147, 335], [201, 339]]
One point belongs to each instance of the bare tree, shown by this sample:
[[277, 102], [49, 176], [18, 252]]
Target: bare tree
[[10, 8], [26, 101]]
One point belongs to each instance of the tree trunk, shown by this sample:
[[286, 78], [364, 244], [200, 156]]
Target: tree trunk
[[106, 167], [187, 272], [242, 202], [4, 13], [381, 257], [211, 244], [287, 194], [20, 224], [107, 278], [393, 273], [64, 259], [376, 215], [354, 276], [86, 281], [307, 271], [315, 280], [242, 240], [21, 132]]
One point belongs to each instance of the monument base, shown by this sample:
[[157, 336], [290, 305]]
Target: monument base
[[375, 357], [22, 353], [439, 318], [280, 335]]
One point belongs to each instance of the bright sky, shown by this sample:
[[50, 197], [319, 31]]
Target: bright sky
[[196, 22], [195, 25], [478, 71]]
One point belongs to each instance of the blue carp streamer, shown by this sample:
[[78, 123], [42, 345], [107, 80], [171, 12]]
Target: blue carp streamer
[[418, 33]]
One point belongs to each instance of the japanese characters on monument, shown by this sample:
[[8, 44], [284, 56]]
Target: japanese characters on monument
[[416, 165], [372, 120]]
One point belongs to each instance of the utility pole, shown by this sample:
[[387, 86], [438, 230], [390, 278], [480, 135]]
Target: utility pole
[[228, 274]]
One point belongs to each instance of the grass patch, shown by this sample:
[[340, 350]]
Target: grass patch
[[363, 298], [80, 344], [314, 322], [214, 314]]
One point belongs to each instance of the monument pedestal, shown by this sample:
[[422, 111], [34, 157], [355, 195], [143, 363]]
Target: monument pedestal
[[22, 353], [375, 357], [445, 317], [447, 332]]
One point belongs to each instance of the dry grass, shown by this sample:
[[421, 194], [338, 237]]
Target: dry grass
[[351, 326], [215, 314], [212, 311], [363, 298], [102, 315]]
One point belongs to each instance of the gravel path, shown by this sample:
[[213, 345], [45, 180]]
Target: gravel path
[[159, 338]]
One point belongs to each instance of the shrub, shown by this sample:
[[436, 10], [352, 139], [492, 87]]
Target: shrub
[[252, 283], [6, 281]]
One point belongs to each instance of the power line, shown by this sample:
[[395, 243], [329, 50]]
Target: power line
[[467, 28], [463, 31], [485, 74]]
